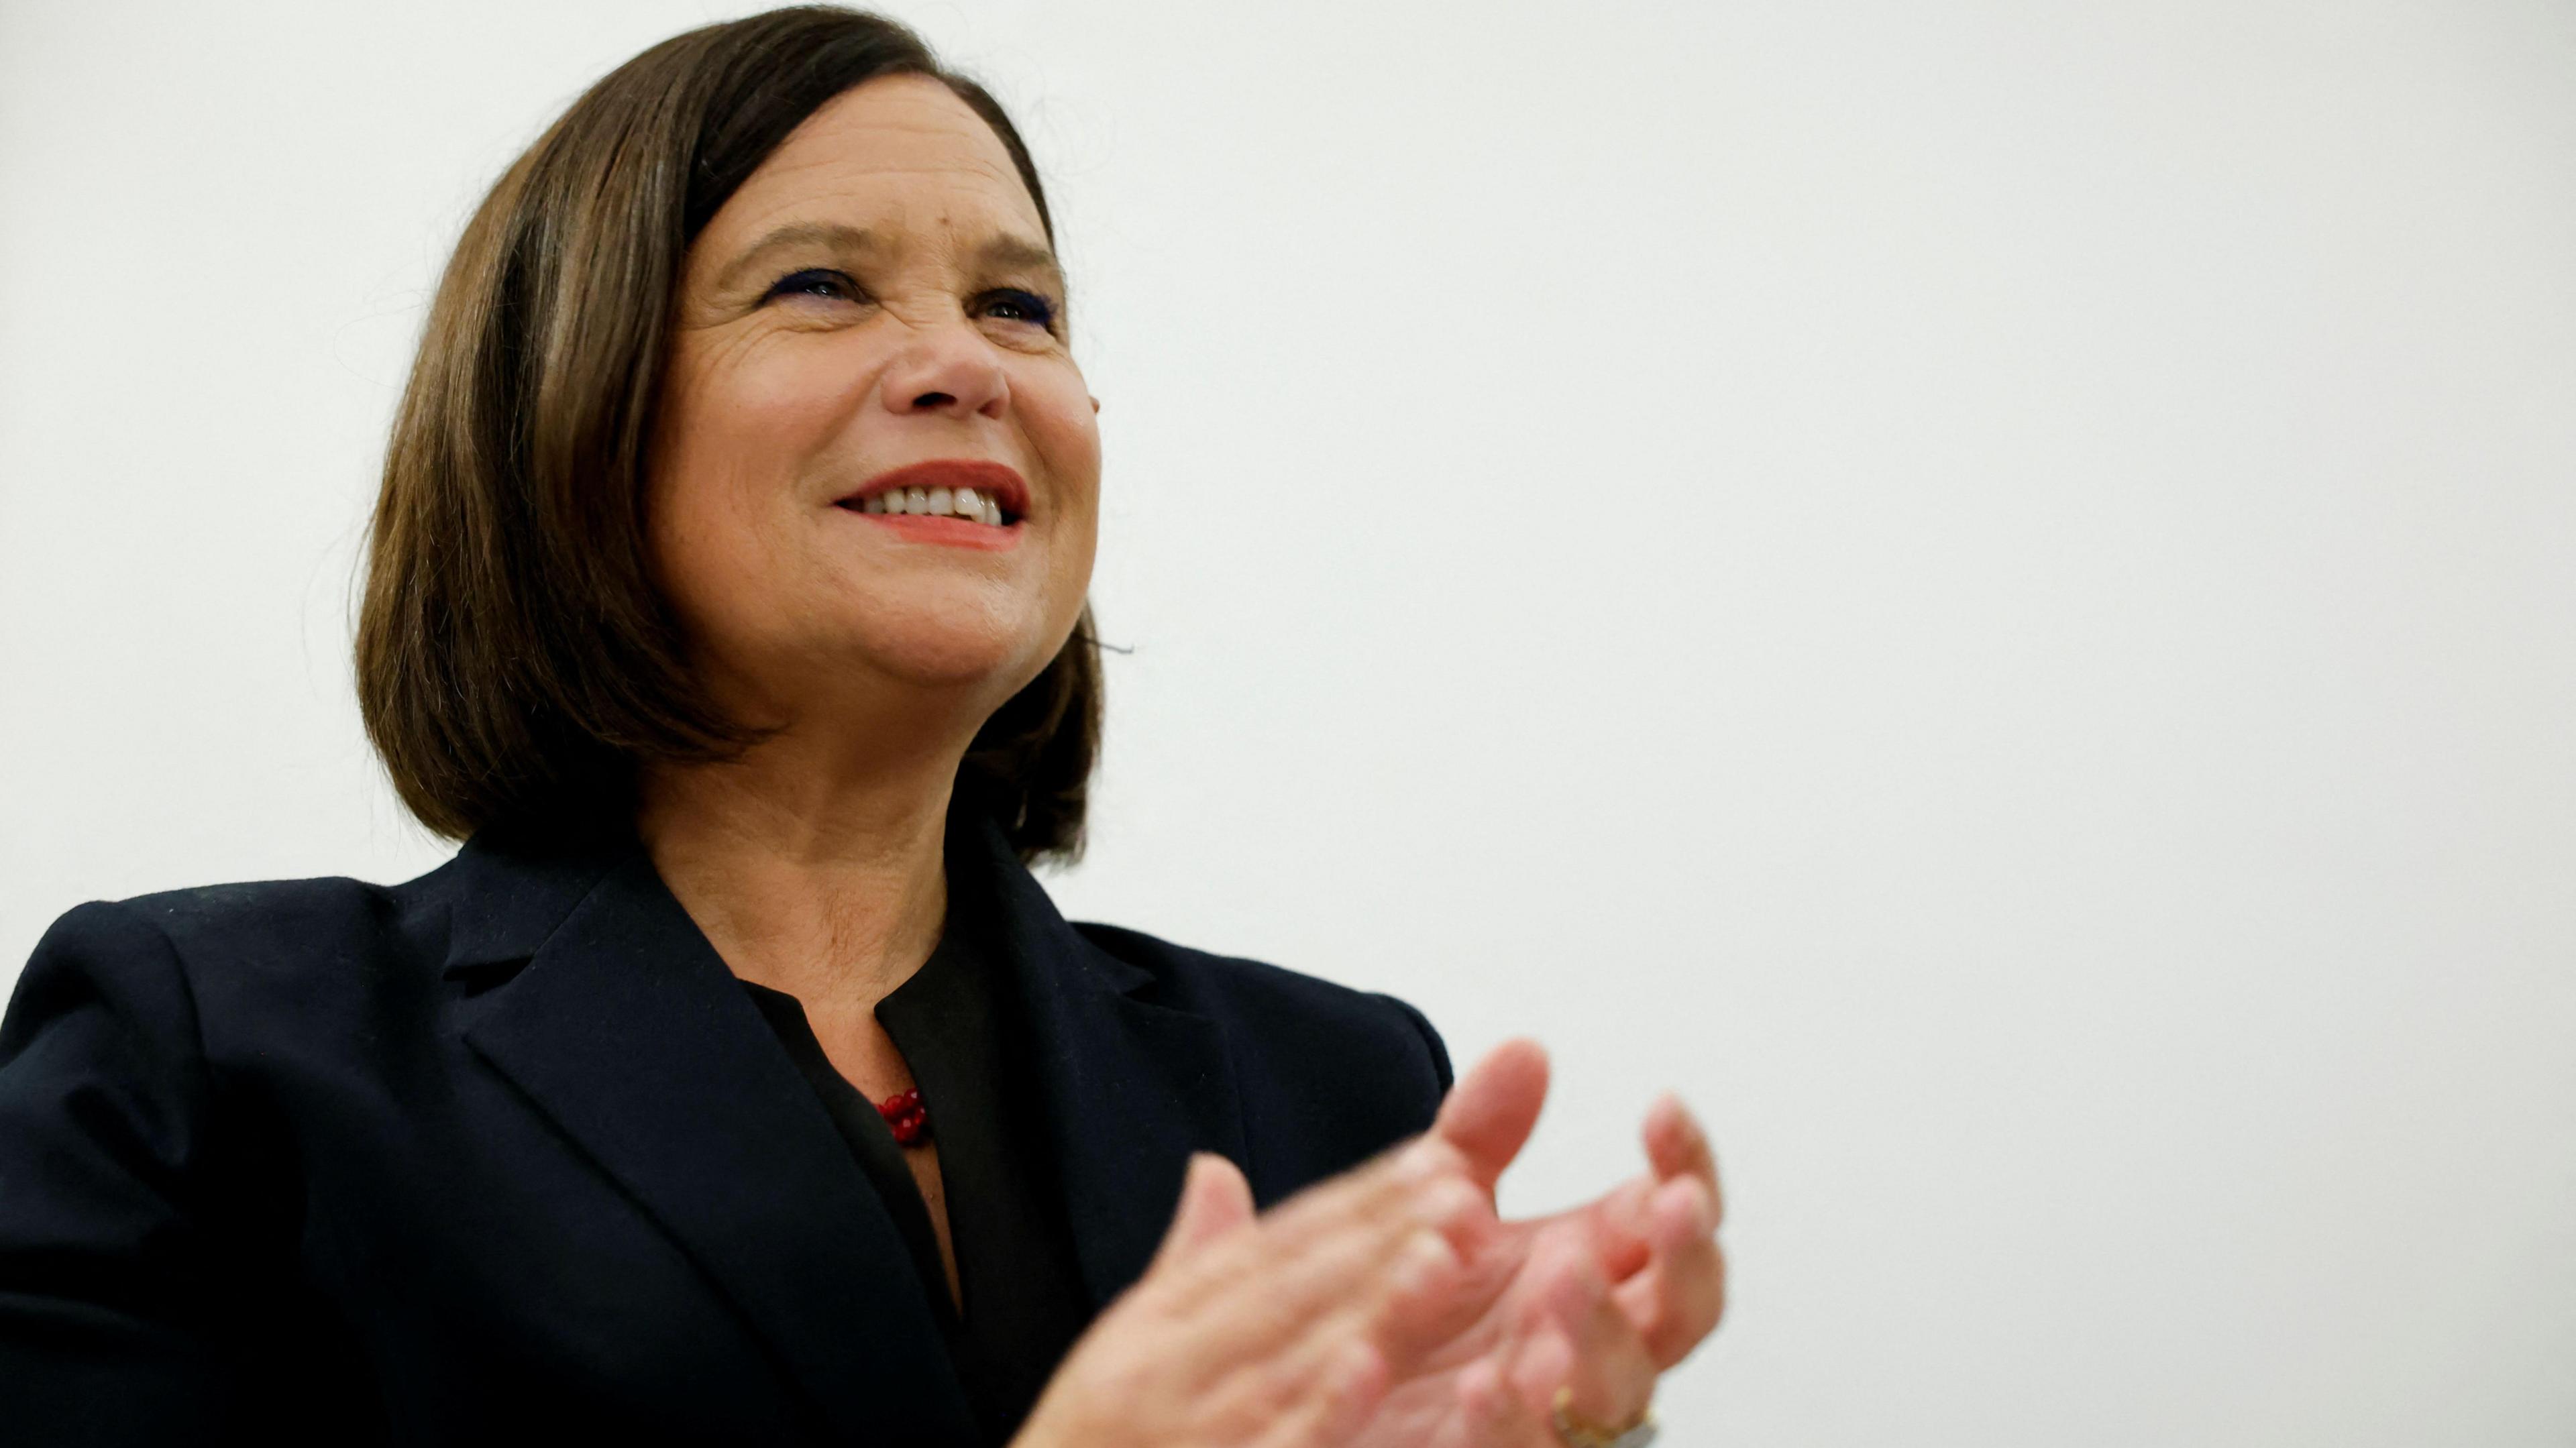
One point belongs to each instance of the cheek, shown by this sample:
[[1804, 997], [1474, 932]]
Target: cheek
[[1056, 412], [739, 426], [760, 411], [1070, 443]]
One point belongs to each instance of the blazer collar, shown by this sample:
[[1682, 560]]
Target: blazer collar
[[505, 898], [629, 1031], [1132, 1086]]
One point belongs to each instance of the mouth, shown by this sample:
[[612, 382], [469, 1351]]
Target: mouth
[[945, 495]]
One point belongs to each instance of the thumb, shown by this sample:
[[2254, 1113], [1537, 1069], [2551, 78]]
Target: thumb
[[1215, 1199], [1490, 1112]]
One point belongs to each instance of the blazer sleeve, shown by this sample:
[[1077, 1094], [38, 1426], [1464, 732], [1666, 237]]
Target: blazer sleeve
[[108, 1315], [1430, 1042]]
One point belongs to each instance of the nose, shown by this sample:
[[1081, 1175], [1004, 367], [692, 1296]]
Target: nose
[[949, 368]]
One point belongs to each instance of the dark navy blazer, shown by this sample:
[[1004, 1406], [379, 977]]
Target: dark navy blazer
[[506, 1152]]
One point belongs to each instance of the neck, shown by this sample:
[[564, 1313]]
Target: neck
[[812, 869]]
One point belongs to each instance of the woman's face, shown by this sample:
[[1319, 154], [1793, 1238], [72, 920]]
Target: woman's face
[[877, 306]]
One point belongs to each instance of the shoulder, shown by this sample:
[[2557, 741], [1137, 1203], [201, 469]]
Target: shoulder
[[1327, 1074], [262, 915], [234, 962], [264, 919], [1281, 1005], [266, 922]]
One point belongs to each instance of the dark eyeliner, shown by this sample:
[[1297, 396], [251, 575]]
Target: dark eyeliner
[[802, 283], [1041, 310]]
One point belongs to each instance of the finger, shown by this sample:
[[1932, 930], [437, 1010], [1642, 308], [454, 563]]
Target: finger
[[1424, 1184], [1485, 1401], [1328, 1370], [1490, 1413], [1354, 1384], [1493, 1108], [1382, 1201], [1333, 1402], [1332, 1260], [1538, 1363], [1444, 1308], [1622, 1233], [1677, 1146], [1287, 1356], [1617, 1223], [1215, 1199], [1412, 1178], [1334, 1287], [1677, 1301], [1607, 1368]]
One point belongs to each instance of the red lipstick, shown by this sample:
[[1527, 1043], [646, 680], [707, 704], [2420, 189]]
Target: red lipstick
[[916, 489]]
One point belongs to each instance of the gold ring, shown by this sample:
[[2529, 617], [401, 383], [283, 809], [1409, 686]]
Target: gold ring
[[1581, 1432]]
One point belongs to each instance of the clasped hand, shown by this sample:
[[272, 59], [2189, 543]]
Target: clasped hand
[[1391, 1307]]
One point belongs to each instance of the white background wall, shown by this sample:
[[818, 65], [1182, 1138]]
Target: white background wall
[[1985, 587]]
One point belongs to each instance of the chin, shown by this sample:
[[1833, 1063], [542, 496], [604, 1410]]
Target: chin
[[955, 653]]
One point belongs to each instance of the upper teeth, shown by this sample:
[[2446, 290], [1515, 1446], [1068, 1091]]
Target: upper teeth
[[935, 503]]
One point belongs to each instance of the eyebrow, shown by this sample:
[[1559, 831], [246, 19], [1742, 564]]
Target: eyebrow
[[999, 252], [1006, 251]]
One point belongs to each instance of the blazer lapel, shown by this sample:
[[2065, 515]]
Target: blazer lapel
[[1131, 1087], [630, 1032]]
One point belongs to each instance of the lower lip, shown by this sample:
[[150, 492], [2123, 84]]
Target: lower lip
[[953, 532]]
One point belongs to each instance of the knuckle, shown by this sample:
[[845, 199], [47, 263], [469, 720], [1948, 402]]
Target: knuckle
[[1447, 1199]]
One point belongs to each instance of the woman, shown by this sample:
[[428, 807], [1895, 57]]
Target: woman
[[736, 1082]]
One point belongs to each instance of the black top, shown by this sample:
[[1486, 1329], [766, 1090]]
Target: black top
[[506, 1153], [1024, 1300]]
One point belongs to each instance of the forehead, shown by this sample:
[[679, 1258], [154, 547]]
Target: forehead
[[900, 150]]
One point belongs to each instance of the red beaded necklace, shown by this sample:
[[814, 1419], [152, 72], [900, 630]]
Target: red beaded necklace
[[909, 1119]]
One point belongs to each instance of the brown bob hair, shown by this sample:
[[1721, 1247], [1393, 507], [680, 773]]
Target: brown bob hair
[[515, 662]]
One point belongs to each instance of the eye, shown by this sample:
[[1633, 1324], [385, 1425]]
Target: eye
[[1014, 305], [815, 282]]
